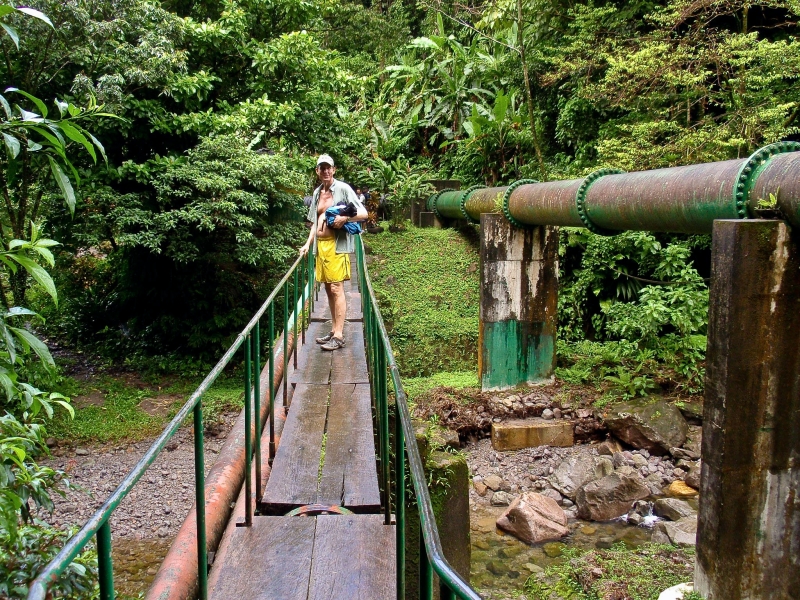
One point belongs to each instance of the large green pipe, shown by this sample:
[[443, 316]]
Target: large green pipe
[[678, 199]]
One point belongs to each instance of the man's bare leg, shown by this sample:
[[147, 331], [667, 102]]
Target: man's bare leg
[[338, 304]]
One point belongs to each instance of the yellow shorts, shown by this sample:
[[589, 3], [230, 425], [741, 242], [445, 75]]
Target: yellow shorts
[[331, 267]]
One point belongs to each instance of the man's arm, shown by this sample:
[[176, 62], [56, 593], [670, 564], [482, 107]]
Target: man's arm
[[361, 212], [312, 211]]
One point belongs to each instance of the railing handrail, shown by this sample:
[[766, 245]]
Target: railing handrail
[[39, 587], [430, 531]]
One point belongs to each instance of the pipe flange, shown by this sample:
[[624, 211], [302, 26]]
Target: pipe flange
[[507, 196], [748, 171], [462, 201], [580, 200], [435, 199]]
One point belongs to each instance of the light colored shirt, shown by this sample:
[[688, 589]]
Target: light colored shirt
[[341, 193]]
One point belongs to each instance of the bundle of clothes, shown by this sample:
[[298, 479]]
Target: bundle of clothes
[[343, 209]]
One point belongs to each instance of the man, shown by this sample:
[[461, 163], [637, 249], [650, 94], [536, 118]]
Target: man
[[334, 245]]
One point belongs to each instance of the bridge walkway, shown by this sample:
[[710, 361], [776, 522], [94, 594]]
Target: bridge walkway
[[326, 456]]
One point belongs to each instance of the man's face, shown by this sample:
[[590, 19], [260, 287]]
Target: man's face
[[325, 173]]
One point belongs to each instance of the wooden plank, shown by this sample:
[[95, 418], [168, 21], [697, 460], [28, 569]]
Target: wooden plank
[[270, 560], [354, 558], [295, 471], [349, 364], [349, 475], [313, 365]]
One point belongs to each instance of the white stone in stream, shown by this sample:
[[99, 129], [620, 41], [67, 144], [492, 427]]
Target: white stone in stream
[[500, 499], [577, 470], [534, 518], [676, 592]]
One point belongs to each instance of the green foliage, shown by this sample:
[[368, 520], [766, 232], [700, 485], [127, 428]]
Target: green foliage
[[417, 386], [401, 182], [641, 294], [639, 574], [427, 285], [24, 556]]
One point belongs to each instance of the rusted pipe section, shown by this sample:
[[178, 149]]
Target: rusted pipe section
[[684, 199], [177, 577]]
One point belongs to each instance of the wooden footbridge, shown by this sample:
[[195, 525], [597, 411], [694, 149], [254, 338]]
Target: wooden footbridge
[[320, 471]]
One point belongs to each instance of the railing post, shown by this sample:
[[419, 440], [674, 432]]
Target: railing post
[[285, 343], [425, 570], [445, 593], [271, 347], [384, 416], [257, 401], [248, 432], [303, 296], [105, 569], [200, 500], [296, 315], [400, 493]]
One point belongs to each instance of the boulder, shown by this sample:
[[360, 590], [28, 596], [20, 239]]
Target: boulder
[[500, 498], [493, 482], [680, 533], [534, 518], [678, 489], [693, 476], [652, 424], [608, 447], [530, 433], [480, 488], [610, 497], [577, 470], [673, 509]]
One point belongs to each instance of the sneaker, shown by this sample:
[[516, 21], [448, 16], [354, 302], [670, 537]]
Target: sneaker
[[334, 344], [324, 339]]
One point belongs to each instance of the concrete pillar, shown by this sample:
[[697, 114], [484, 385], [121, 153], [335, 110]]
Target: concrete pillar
[[748, 539], [519, 298]]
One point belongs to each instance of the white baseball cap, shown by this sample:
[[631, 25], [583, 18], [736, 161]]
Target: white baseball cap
[[325, 158]]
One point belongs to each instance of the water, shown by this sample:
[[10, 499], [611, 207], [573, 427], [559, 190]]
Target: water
[[136, 563], [501, 563]]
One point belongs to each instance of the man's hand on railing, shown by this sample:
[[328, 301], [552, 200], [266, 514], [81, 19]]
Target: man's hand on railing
[[304, 249]]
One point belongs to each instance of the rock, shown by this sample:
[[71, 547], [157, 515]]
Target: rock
[[445, 438], [480, 488], [683, 454], [553, 549], [567, 503], [556, 413], [551, 493], [692, 478], [676, 592], [530, 433], [51, 442], [673, 509], [81, 452], [678, 489], [547, 414], [500, 498], [608, 447], [694, 440], [578, 470], [625, 470], [493, 482], [584, 413], [641, 508], [172, 445], [610, 496], [534, 518], [639, 461], [655, 425], [618, 459], [679, 533], [635, 518]]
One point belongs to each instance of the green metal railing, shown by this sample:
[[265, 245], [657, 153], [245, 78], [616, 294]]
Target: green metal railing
[[382, 367], [294, 288]]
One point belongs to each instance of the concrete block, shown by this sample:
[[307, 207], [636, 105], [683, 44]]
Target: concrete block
[[529, 433], [428, 219]]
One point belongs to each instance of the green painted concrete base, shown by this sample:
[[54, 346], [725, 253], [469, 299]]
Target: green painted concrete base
[[513, 353]]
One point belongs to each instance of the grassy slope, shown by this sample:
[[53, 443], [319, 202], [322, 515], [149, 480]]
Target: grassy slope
[[427, 283]]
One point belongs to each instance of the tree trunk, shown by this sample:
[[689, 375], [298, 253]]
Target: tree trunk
[[528, 96]]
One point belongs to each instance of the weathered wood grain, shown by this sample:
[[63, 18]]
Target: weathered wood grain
[[313, 364], [295, 471], [270, 560], [348, 364], [354, 558], [349, 475]]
